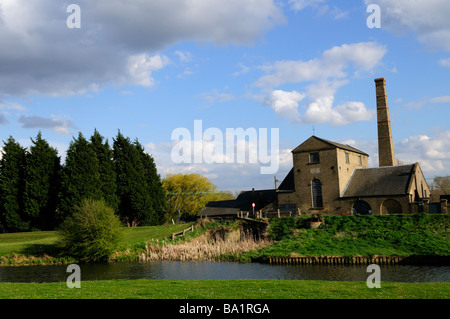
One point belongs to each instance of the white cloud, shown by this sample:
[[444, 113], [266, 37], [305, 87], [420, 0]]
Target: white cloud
[[333, 63], [185, 73], [184, 56], [352, 112], [116, 42], [59, 126], [421, 103], [428, 20], [151, 146], [298, 5], [244, 69], [224, 174], [432, 152], [324, 76], [215, 96], [445, 62], [12, 106], [141, 66], [285, 104]]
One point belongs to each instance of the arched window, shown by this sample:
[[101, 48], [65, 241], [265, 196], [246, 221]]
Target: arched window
[[391, 206], [361, 208], [316, 190]]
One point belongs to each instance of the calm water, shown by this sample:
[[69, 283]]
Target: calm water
[[224, 270]]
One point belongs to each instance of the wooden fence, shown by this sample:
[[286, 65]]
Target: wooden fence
[[183, 232]]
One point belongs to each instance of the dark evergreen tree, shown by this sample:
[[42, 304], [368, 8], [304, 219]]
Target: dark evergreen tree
[[80, 177], [107, 171], [41, 184], [140, 201], [156, 193], [12, 168], [128, 182]]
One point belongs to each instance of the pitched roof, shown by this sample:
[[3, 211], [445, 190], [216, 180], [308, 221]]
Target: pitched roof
[[243, 202], [346, 147], [288, 182], [218, 211], [380, 181]]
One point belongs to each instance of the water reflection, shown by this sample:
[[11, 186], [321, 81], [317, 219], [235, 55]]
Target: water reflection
[[224, 270]]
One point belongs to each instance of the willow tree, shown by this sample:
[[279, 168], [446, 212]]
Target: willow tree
[[187, 194]]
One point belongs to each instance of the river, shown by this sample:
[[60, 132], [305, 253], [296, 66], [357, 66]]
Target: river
[[223, 270]]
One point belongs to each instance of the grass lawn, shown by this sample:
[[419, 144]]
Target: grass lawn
[[224, 289], [137, 235], [37, 243], [23, 243]]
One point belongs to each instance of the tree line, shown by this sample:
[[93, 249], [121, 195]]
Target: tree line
[[37, 192]]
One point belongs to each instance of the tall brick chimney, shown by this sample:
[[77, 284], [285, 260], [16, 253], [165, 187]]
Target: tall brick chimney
[[385, 143]]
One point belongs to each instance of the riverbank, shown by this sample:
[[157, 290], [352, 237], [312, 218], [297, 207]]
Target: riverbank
[[224, 289], [41, 248], [419, 238]]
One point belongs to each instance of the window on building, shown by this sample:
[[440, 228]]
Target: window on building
[[316, 190], [347, 158], [360, 160], [288, 208], [314, 157]]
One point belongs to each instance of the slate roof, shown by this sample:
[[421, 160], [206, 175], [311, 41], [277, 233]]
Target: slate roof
[[243, 202], [288, 182], [380, 181], [332, 144]]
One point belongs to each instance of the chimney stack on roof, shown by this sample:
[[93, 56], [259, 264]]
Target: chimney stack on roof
[[386, 155]]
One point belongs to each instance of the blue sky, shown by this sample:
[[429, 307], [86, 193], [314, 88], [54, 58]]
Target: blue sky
[[150, 67]]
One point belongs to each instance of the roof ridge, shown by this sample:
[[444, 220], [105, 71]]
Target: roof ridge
[[378, 167], [334, 144]]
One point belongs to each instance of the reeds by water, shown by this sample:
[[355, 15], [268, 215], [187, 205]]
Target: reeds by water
[[207, 247]]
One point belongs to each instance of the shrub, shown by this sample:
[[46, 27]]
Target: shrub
[[92, 232]]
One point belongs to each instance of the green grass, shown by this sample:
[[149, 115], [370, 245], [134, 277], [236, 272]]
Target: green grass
[[138, 235], [224, 289], [40, 243], [403, 235], [23, 243]]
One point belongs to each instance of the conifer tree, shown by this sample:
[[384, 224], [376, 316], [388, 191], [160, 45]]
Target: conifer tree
[[41, 184], [107, 171], [80, 178], [128, 181], [140, 201], [156, 193], [12, 168]]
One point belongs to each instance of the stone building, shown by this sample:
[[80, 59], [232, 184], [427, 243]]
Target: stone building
[[333, 178]]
